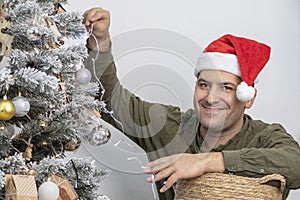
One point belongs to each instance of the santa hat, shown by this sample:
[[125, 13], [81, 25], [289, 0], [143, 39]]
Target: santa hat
[[240, 56]]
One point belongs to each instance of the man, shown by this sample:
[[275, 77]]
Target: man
[[216, 136]]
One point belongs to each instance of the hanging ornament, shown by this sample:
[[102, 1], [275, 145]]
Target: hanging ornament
[[66, 190], [34, 33], [73, 144], [100, 136], [27, 154], [48, 191], [83, 76], [22, 106], [20, 187], [7, 109]]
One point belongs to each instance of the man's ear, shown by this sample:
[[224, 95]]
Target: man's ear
[[250, 102]]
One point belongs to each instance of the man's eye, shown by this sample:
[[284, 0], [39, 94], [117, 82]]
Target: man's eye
[[203, 85], [228, 88]]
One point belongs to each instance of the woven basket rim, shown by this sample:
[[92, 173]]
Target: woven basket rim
[[226, 186]]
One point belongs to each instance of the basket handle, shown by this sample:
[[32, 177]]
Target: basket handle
[[274, 177]]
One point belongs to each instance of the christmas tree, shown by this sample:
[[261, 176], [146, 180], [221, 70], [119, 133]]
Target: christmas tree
[[48, 103]]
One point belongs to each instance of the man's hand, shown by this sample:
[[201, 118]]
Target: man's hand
[[97, 21], [184, 166]]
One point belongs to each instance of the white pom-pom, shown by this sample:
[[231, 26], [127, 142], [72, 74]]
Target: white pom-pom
[[244, 92]]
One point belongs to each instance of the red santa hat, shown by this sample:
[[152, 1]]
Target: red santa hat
[[240, 56]]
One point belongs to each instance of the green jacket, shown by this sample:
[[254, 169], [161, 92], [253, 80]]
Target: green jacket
[[161, 130]]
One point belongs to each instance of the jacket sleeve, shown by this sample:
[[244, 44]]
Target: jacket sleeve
[[276, 152], [150, 125]]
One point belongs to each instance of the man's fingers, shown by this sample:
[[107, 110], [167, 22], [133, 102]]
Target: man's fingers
[[164, 173], [168, 159], [98, 16], [161, 163], [95, 14], [169, 183], [150, 179], [156, 167]]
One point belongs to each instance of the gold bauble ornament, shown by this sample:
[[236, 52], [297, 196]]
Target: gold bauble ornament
[[7, 110]]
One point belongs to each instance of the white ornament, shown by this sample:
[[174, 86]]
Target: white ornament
[[48, 191], [83, 76], [244, 92], [22, 106], [34, 33]]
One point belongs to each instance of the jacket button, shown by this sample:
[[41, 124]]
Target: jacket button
[[262, 170]]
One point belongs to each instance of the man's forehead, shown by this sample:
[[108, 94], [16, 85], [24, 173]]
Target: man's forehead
[[218, 76]]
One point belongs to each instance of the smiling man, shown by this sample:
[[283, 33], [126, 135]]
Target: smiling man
[[215, 136], [224, 86], [219, 111]]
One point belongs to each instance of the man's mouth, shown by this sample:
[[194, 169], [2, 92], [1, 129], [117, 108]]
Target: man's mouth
[[212, 109]]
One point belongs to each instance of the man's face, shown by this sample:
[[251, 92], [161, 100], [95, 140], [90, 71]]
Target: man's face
[[216, 102]]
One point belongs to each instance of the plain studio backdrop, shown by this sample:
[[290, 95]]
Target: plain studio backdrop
[[156, 44]]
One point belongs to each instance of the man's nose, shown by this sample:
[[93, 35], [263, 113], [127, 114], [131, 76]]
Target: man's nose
[[214, 95]]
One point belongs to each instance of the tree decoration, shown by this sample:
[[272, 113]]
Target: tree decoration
[[34, 33], [99, 136], [22, 106], [66, 190], [83, 76], [20, 187], [7, 109], [72, 145], [48, 191], [27, 154]]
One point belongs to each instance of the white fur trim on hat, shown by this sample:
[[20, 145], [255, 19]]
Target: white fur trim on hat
[[218, 61], [244, 92]]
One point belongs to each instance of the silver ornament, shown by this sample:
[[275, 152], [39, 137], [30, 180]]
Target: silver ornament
[[34, 33], [100, 136], [83, 76], [22, 106]]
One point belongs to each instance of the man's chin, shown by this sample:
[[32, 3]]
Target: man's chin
[[213, 117], [214, 125]]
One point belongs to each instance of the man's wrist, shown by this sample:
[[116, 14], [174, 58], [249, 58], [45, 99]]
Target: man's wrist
[[102, 44], [214, 162]]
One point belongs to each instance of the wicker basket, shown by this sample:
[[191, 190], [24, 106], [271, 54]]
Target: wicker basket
[[213, 186]]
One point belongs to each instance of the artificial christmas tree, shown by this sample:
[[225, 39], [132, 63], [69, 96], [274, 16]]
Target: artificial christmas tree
[[48, 104]]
